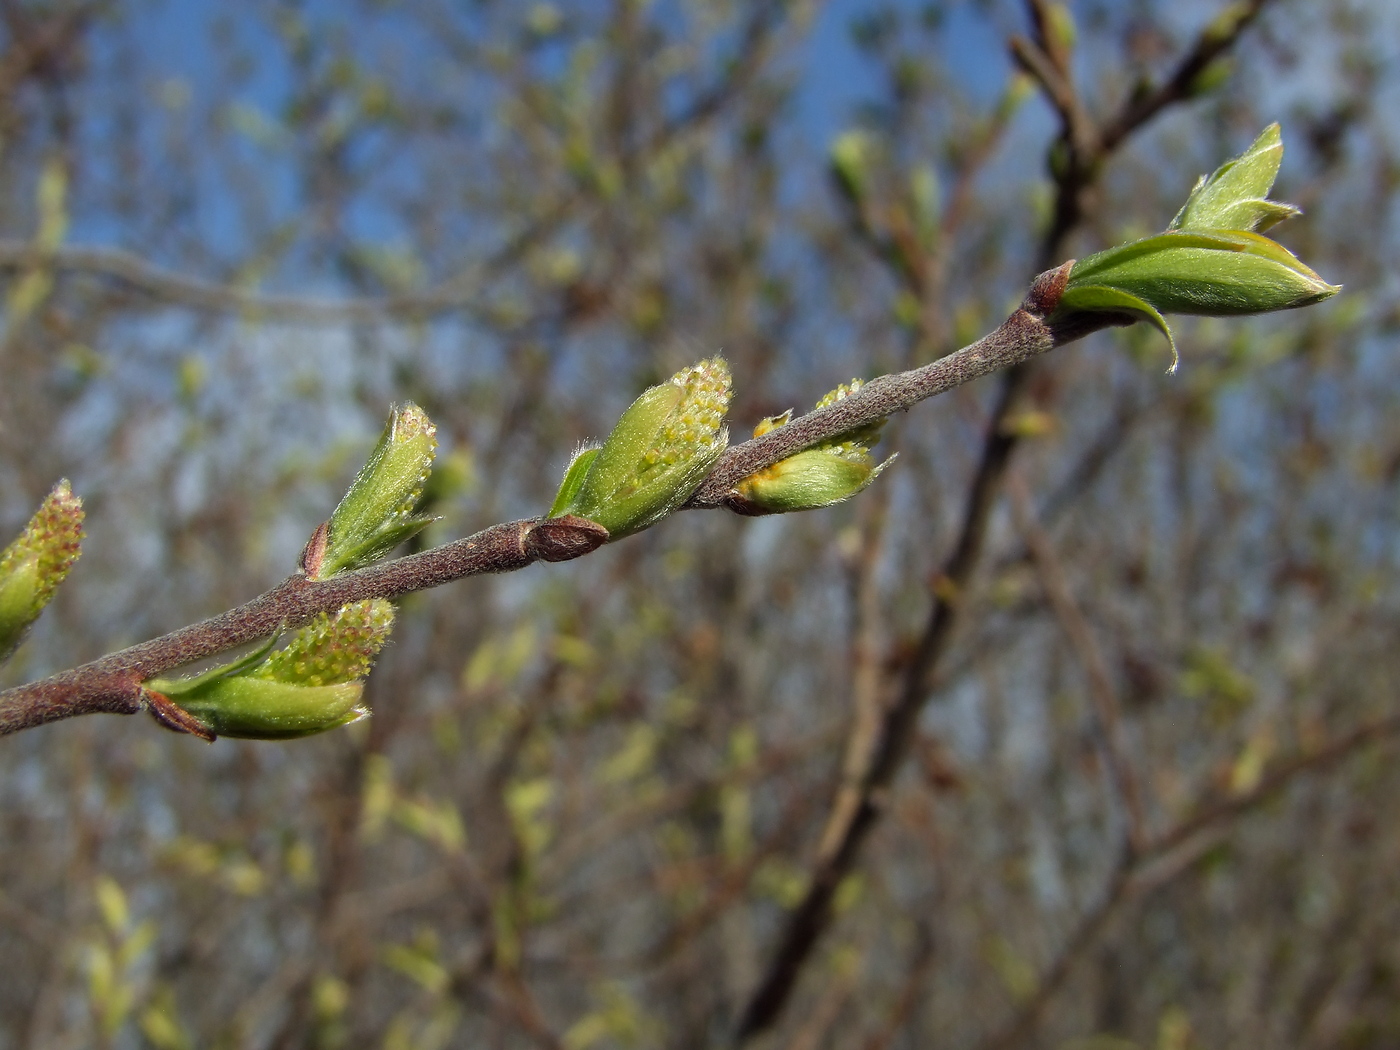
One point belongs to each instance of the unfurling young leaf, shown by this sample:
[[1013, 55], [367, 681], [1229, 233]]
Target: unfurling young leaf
[[311, 685], [1236, 196], [32, 567], [1211, 261], [377, 513], [656, 457], [819, 476], [574, 474]]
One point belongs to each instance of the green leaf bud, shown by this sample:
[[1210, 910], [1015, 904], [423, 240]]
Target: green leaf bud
[[1216, 74], [1020, 89], [805, 481], [376, 514], [311, 685], [924, 196], [819, 476], [1215, 273], [263, 709], [1210, 261], [656, 457], [32, 567]]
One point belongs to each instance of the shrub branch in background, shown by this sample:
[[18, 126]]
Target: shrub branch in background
[[667, 453]]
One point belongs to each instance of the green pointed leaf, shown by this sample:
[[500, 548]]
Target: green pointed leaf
[[1216, 201], [376, 514], [1208, 272], [179, 687], [573, 481]]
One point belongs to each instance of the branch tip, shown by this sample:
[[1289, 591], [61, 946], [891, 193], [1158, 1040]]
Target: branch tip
[[1046, 290]]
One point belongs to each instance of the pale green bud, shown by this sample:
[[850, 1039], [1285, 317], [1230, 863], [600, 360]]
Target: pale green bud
[[656, 457], [310, 686], [32, 567], [810, 479], [376, 514], [924, 196], [1020, 89], [819, 476], [262, 709]]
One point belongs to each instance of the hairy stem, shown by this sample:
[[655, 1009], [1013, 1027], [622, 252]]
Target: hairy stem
[[112, 683]]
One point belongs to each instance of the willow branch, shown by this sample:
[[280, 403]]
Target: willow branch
[[112, 683], [1023, 335], [171, 286]]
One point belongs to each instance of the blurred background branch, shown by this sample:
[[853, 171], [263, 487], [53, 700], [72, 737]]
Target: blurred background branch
[[839, 780]]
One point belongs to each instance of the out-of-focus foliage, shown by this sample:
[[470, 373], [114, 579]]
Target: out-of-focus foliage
[[589, 793]]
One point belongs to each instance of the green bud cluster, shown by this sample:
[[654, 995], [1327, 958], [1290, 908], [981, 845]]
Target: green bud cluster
[[819, 476], [377, 512], [1211, 261], [656, 456], [32, 567], [312, 685]]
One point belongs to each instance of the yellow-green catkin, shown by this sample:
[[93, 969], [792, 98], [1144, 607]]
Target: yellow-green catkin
[[332, 648]]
